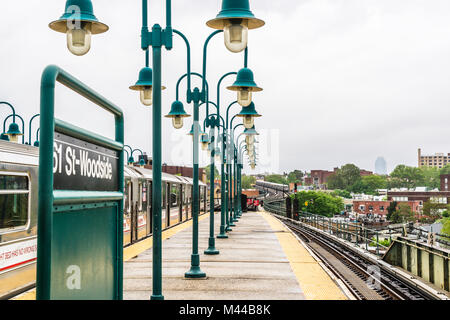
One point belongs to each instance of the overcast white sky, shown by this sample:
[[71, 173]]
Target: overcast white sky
[[345, 81]]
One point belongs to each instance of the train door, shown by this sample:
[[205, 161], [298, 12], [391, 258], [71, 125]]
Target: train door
[[167, 186], [164, 205], [142, 210], [128, 203], [174, 203], [149, 208], [180, 203]]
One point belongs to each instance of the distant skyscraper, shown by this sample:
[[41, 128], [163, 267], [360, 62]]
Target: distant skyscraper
[[380, 166]]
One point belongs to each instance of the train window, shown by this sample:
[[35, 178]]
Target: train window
[[130, 196], [14, 201], [184, 194], [174, 192], [140, 196], [144, 195], [163, 193]]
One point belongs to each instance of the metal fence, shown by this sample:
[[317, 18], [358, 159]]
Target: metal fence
[[373, 240]]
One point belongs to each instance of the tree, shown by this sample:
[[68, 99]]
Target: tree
[[318, 202], [406, 177], [402, 214], [342, 193], [207, 171], [431, 177], [276, 178], [335, 182], [433, 210], [369, 184], [247, 182], [446, 226], [391, 209], [350, 174], [295, 176]]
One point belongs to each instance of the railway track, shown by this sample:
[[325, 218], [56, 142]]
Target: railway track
[[362, 278]]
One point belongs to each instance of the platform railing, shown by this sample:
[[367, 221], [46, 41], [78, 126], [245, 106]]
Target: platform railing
[[357, 233]]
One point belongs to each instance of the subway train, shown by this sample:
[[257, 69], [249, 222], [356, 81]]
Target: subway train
[[19, 166], [270, 187]]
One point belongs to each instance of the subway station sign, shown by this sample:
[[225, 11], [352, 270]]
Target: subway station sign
[[83, 166]]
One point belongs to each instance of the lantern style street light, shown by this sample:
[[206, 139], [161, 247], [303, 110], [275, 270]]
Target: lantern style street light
[[14, 132], [235, 19], [177, 113], [145, 86], [79, 23], [244, 85], [248, 115]]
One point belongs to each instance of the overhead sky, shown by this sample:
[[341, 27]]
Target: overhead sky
[[345, 81]]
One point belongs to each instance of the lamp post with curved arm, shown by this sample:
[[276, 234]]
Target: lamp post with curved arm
[[13, 130]]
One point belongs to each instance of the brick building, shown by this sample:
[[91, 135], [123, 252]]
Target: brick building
[[380, 207], [320, 177], [445, 182], [442, 197]]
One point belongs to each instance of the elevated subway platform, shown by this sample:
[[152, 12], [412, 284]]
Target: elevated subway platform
[[261, 260]]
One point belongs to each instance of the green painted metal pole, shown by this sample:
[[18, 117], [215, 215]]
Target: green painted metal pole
[[223, 205], [157, 168], [195, 271], [29, 127], [211, 242]]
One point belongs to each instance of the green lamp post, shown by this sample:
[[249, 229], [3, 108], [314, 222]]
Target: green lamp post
[[245, 85], [36, 143], [13, 130], [145, 86], [249, 114], [177, 114], [235, 19], [79, 23], [29, 127]]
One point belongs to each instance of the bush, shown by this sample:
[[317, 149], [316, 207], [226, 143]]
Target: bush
[[383, 242], [317, 202]]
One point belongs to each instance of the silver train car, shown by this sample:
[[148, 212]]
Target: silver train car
[[19, 166], [271, 187]]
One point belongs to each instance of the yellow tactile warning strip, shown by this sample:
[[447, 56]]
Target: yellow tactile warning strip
[[141, 246], [129, 252], [315, 283]]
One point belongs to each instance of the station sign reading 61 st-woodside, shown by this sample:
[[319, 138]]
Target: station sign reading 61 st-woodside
[[83, 166]]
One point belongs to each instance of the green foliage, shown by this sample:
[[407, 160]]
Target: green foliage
[[433, 210], [391, 209], [342, 193], [295, 176], [383, 242], [369, 184], [208, 170], [318, 202], [248, 181], [406, 177], [431, 177], [345, 177], [445, 169], [276, 178], [446, 226], [402, 214]]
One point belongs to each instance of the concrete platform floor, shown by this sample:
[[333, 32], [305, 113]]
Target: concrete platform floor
[[252, 265]]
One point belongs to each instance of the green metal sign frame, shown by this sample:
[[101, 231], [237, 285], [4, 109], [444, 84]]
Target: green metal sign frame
[[80, 233]]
